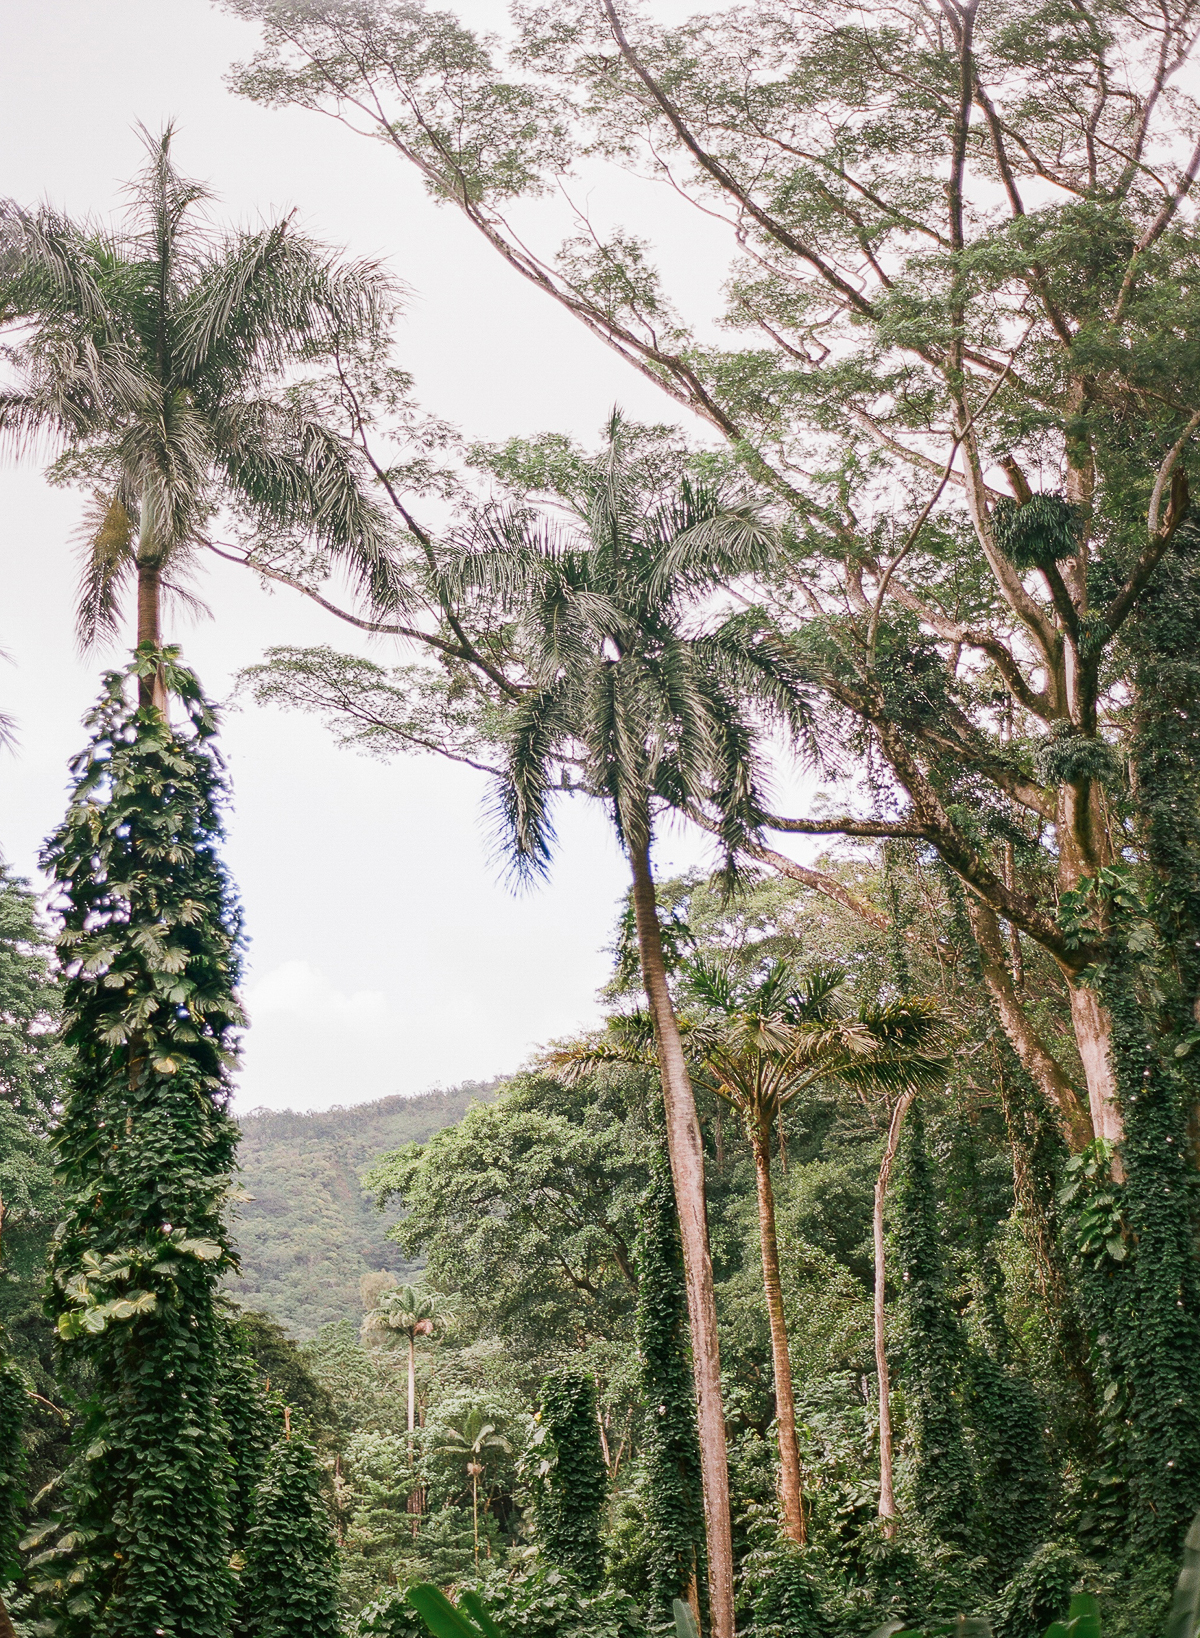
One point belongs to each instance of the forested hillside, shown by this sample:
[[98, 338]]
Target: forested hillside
[[306, 1232]]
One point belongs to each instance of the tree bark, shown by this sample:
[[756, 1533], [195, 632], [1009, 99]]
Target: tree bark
[[1093, 1036], [6, 1627], [414, 1496], [791, 1489], [686, 1153], [887, 1493], [1039, 1063], [151, 690]]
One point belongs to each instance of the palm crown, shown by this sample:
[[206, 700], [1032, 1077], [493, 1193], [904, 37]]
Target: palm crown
[[156, 359], [763, 1042], [640, 688]]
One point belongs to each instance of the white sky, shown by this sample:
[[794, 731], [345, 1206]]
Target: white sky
[[386, 954]]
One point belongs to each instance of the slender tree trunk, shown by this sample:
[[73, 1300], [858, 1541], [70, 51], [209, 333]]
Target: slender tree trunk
[[414, 1496], [887, 1493], [475, 1514], [6, 1627], [151, 690], [687, 1170], [791, 1489]]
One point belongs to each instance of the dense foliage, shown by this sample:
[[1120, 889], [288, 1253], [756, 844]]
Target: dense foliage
[[289, 1582], [847, 1275], [150, 949]]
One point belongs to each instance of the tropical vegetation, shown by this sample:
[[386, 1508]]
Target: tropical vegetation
[[845, 1278]]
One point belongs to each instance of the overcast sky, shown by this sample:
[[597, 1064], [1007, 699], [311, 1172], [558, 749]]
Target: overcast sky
[[386, 954]]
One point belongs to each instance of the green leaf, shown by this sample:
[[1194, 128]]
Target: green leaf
[[685, 1621], [473, 1604], [439, 1614], [1083, 1616], [206, 1250], [1184, 1619]]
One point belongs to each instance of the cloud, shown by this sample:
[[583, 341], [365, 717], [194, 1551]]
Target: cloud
[[299, 989]]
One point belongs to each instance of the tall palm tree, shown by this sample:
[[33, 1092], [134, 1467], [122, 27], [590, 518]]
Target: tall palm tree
[[472, 1437], [156, 358], [409, 1311], [762, 1044], [648, 696]]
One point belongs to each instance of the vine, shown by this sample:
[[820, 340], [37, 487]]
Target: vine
[[573, 1483], [943, 1485], [149, 945], [290, 1582], [671, 1450]]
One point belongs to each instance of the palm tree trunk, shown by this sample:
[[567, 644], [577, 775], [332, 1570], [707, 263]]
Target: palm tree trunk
[[790, 1487], [887, 1494], [686, 1153], [475, 1514], [414, 1496], [151, 690]]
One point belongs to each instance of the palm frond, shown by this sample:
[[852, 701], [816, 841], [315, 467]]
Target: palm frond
[[260, 302], [106, 544], [520, 808]]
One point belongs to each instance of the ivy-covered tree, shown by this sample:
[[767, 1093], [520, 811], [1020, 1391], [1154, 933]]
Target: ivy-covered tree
[[150, 950], [14, 1399], [32, 1057], [573, 1481], [670, 1448], [252, 1424], [289, 1584], [943, 1484], [1142, 1274]]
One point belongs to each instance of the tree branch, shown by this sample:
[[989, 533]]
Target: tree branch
[[724, 179]]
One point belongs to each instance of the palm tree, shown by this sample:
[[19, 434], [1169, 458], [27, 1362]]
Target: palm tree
[[409, 1311], [156, 359], [642, 694], [762, 1044], [470, 1438]]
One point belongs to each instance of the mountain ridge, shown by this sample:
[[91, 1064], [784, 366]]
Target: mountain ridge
[[305, 1230]]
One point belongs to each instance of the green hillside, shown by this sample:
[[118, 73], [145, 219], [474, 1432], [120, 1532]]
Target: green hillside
[[307, 1233]]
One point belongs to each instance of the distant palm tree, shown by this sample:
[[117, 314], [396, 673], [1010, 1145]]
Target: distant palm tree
[[409, 1311], [470, 1438], [647, 695], [157, 360], [762, 1044]]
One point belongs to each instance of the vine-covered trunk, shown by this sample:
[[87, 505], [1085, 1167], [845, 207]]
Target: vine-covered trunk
[[791, 1490], [150, 943], [686, 1151], [671, 1451], [887, 1492]]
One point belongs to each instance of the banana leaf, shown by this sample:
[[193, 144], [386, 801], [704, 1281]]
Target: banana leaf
[[473, 1604], [440, 1615], [685, 1621], [1184, 1619], [1083, 1616]]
